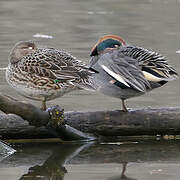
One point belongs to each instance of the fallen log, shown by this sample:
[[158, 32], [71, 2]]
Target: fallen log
[[100, 123], [162, 121], [12, 126]]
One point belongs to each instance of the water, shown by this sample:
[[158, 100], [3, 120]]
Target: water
[[75, 26], [144, 160]]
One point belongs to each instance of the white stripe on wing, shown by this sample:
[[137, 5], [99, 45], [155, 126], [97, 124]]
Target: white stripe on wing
[[115, 75]]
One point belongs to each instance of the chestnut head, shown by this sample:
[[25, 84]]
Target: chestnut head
[[107, 41]]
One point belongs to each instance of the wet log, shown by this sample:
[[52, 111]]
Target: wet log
[[40, 123], [100, 123], [162, 121]]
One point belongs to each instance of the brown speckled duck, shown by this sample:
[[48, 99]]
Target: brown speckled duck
[[45, 73], [125, 71]]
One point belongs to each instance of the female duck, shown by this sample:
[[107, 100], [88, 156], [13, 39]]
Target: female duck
[[125, 71], [45, 73]]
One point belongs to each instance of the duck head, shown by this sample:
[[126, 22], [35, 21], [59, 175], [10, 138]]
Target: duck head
[[107, 41], [21, 49]]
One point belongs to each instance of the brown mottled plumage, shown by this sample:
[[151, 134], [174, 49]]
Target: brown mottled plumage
[[45, 73]]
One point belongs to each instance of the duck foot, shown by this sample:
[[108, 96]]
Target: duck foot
[[123, 169]]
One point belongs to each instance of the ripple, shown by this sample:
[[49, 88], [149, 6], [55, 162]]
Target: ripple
[[38, 35]]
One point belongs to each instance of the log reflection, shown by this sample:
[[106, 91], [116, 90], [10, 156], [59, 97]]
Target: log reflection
[[53, 168], [117, 154]]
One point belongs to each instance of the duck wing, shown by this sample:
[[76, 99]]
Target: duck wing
[[56, 65], [124, 69], [154, 66]]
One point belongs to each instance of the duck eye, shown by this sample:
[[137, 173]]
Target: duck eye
[[27, 47], [116, 45]]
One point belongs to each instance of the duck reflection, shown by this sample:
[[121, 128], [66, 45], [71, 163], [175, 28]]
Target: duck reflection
[[53, 168], [122, 176], [116, 154]]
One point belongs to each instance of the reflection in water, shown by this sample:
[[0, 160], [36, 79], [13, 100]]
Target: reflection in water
[[56, 166], [45, 172], [53, 168], [122, 176]]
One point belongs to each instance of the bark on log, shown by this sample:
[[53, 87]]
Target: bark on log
[[163, 121], [52, 119], [101, 123]]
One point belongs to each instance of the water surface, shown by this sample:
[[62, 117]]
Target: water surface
[[76, 25], [144, 160]]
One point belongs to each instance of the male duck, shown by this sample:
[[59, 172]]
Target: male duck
[[125, 71], [45, 73]]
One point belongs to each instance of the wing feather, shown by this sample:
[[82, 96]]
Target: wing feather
[[55, 64], [125, 68], [154, 66]]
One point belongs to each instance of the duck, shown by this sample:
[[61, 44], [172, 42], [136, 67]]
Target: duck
[[124, 71], [44, 74]]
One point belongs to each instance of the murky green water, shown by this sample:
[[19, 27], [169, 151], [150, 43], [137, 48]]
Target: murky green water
[[75, 26]]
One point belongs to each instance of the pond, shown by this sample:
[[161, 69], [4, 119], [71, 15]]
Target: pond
[[75, 26], [141, 159]]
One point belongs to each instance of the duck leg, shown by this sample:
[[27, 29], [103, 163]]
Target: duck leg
[[124, 106], [123, 170], [43, 106]]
